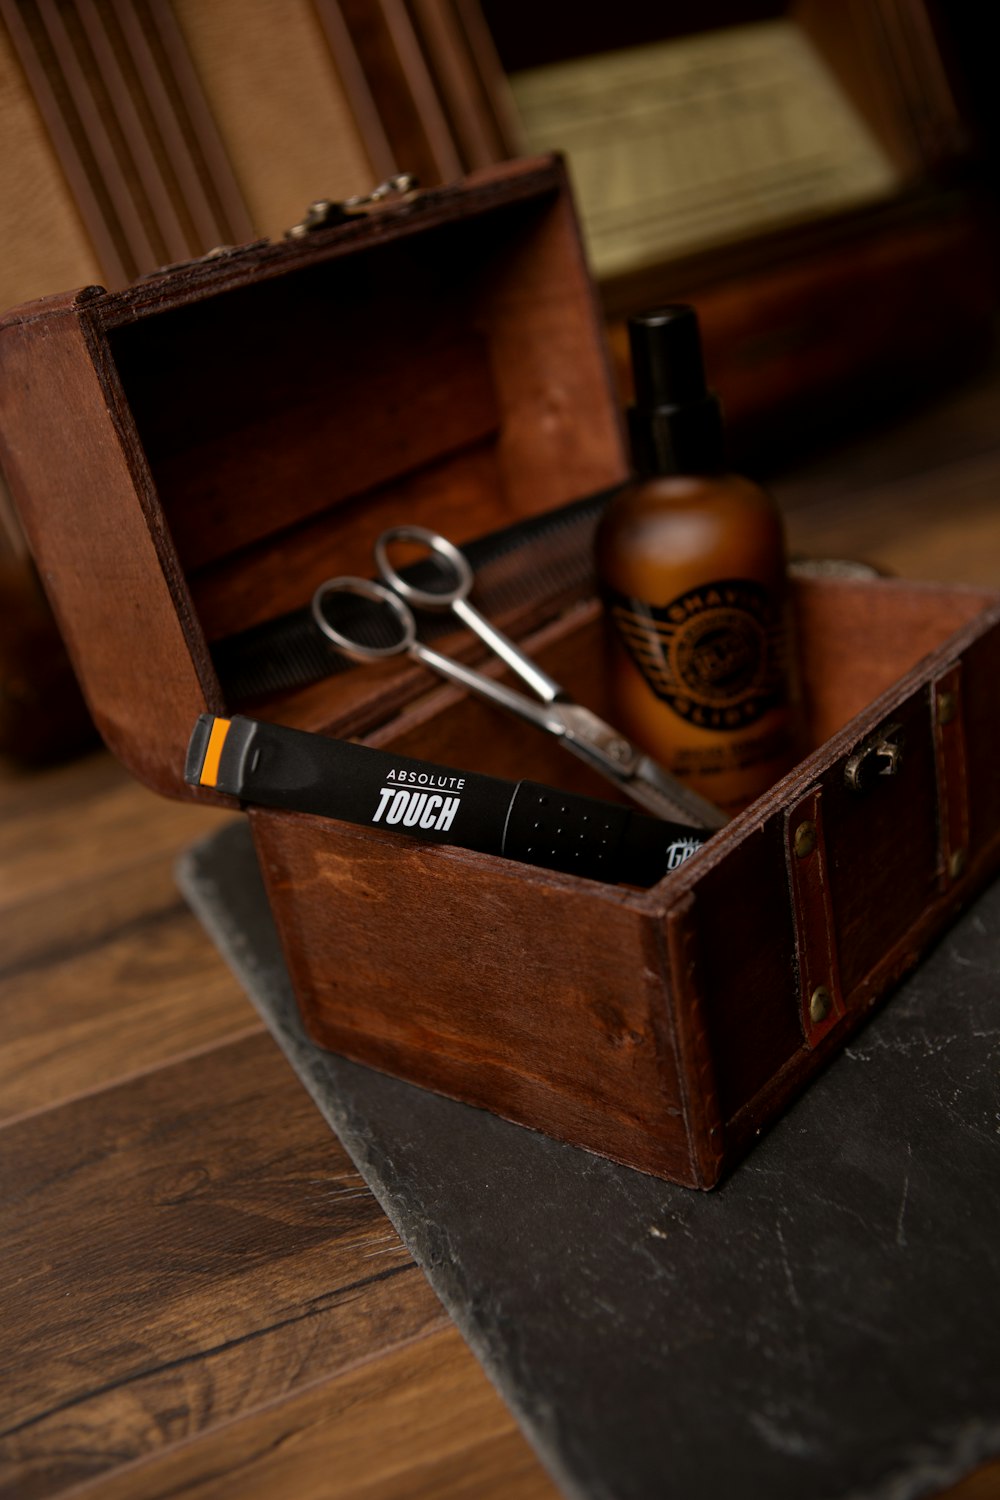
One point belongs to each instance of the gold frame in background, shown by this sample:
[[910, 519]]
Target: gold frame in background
[[683, 145]]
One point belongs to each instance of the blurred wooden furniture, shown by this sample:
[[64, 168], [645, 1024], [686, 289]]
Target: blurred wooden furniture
[[201, 1292], [814, 299], [151, 131], [138, 132]]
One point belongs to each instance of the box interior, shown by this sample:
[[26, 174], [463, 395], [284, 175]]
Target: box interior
[[454, 378], [855, 639]]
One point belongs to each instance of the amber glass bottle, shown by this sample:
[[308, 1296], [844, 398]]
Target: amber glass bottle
[[692, 563]]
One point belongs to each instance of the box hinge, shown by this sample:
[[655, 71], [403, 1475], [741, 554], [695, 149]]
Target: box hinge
[[821, 1002], [950, 769], [328, 213]]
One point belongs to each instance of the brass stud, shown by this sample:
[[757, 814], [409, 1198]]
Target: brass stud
[[947, 707], [820, 1004], [805, 839], [957, 863]]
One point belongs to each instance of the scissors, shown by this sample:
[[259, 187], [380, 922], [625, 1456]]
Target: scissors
[[577, 729]]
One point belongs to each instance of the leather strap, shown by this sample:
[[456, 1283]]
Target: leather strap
[[952, 781], [821, 1002], [702, 1106]]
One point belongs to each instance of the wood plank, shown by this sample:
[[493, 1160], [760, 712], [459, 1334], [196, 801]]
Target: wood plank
[[958, 425], [93, 1007], [54, 927], [25, 789], [180, 1250], [103, 971], [916, 495], [942, 525], [59, 844], [421, 1423]]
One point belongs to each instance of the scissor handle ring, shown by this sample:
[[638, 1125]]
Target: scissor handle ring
[[364, 588], [441, 547]]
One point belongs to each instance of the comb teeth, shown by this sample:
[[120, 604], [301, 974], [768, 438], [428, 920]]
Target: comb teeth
[[543, 557]]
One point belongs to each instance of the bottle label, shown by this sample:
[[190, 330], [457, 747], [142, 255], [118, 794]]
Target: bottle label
[[716, 655]]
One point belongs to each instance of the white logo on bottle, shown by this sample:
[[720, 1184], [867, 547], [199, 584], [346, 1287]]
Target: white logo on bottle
[[680, 850]]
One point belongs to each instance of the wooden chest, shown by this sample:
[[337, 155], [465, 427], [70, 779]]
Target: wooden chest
[[193, 456]]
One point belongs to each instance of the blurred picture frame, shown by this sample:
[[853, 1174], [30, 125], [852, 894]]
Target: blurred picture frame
[[827, 219]]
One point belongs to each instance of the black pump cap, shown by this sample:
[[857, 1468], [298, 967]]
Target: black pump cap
[[676, 422]]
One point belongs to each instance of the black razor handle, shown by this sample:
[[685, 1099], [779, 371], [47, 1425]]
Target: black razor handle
[[272, 766]]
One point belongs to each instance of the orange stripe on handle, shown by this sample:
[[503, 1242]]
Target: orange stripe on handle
[[216, 740]]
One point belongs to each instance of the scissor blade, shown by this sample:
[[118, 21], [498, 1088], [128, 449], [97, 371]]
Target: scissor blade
[[594, 741], [654, 788], [638, 775]]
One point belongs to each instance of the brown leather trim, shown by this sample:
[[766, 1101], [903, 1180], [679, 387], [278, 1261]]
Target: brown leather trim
[[952, 782], [821, 1002], [702, 1109]]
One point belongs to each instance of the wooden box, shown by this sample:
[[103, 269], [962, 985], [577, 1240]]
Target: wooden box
[[192, 456]]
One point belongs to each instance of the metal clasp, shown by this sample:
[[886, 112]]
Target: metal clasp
[[880, 755], [327, 213]]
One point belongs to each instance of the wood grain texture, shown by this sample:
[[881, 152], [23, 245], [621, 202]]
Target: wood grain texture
[[132, 1062], [102, 1004], [857, 640], [48, 839], [473, 945], [418, 1424], [207, 1247], [74, 471], [939, 524]]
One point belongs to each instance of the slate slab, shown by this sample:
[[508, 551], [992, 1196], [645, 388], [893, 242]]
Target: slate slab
[[824, 1326]]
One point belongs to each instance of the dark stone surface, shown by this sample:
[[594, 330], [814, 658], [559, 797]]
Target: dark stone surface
[[826, 1324]]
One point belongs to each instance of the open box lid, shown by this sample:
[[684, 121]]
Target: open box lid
[[194, 455]]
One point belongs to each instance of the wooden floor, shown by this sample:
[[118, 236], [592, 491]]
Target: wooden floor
[[200, 1295]]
